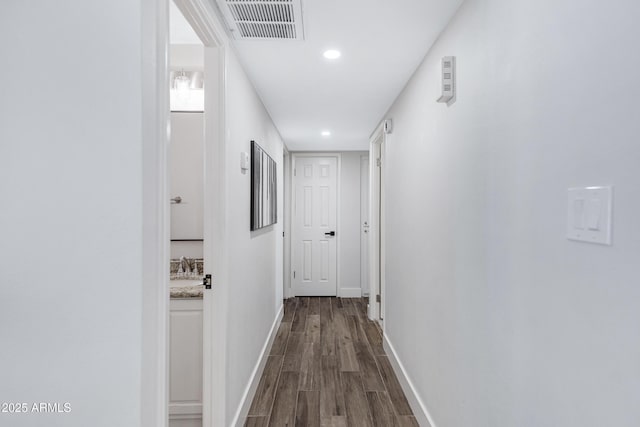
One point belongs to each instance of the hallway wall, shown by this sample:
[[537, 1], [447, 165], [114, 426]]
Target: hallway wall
[[499, 320], [350, 224], [255, 258], [71, 231]]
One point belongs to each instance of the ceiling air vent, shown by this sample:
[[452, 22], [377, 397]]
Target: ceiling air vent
[[263, 19]]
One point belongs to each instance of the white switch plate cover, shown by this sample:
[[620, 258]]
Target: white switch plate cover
[[589, 214], [244, 162]]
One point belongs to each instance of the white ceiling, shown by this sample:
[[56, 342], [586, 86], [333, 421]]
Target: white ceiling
[[382, 42]]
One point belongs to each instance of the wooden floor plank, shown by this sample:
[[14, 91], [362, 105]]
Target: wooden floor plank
[[327, 340], [355, 400], [331, 392], [333, 421], [284, 404], [308, 409], [300, 317], [265, 392], [327, 332], [314, 306], [290, 305], [361, 306], [381, 409], [280, 341], [257, 422], [325, 308], [374, 337], [312, 330], [393, 386], [344, 344], [310, 367], [356, 328], [347, 307], [293, 353], [347, 356], [371, 378], [409, 421], [341, 327]]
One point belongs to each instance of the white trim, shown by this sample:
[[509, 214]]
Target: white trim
[[376, 224], [287, 176], [294, 156], [204, 21], [254, 380], [215, 243], [418, 407], [155, 208], [189, 409], [383, 229], [364, 236], [350, 292]]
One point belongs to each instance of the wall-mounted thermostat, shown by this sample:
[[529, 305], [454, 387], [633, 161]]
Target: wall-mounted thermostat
[[448, 79], [244, 162]]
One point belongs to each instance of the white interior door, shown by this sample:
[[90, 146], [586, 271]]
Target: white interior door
[[364, 224], [314, 241]]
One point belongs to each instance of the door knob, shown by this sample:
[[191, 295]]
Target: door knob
[[331, 233]]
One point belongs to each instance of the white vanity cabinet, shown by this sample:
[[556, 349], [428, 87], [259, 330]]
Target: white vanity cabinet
[[185, 362]]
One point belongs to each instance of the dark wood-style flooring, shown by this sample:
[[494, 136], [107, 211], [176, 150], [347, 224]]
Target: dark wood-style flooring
[[327, 368]]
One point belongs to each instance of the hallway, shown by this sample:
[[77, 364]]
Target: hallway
[[327, 367]]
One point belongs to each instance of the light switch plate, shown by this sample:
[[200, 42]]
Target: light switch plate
[[244, 162], [589, 214]]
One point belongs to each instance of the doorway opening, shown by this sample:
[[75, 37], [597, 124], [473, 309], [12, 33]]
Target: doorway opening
[[187, 191], [314, 243], [197, 309], [376, 226]]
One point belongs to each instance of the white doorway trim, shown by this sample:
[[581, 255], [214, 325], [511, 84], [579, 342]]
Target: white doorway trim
[[155, 142], [364, 224], [377, 283], [203, 19], [155, 210], [288, 177], [290, 236]]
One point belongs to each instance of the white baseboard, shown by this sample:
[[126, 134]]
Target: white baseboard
[[350, 292], [247, 397], [417, 405]]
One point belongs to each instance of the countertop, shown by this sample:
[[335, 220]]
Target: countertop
[[186, 289]]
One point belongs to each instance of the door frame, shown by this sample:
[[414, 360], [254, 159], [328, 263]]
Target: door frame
[[377, 255], [287, 208], [294, 156], [155, 202], [364, 254]]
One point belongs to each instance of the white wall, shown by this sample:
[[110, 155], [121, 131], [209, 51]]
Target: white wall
[[71, 215], [349, 233], [498, 318], [186, 170], [189, 57], [254, 258]]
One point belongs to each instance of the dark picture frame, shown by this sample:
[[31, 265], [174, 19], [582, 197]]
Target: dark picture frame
[[264, 186]]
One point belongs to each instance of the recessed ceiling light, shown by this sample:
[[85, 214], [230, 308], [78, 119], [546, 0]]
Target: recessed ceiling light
[[326, 133], [332, 54]]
